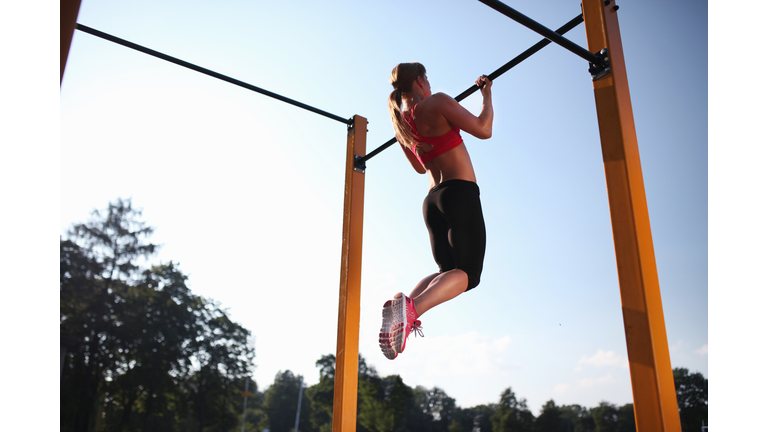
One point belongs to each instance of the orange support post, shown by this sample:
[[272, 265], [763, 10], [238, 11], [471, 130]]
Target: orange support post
[[68, 15], [653, 387], [347, 342]]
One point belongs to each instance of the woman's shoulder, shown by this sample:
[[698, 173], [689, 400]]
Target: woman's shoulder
[[440, 97], [437, 100]]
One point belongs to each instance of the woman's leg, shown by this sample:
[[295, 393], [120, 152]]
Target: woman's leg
[[422, 285], [437, 288], [454, 219], [440, 289]]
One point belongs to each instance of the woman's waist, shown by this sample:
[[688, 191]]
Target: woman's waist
[[438, 178], [454, 165], [454, 183]]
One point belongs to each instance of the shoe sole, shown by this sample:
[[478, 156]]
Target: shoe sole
[[400, 309], [385, 334]]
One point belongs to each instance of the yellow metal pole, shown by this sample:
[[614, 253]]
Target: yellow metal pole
[[653, 386], [68, 10], [345, 386]]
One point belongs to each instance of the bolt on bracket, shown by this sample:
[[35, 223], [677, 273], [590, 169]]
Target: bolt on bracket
[[599, 70], [359, 166]]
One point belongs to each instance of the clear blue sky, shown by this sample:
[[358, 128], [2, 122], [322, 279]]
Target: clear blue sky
[[246, 192]]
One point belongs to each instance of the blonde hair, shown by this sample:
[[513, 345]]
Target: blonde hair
[[402, 78]]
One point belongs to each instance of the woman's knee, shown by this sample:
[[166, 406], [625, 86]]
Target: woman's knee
[[472, 276], [473, 279]]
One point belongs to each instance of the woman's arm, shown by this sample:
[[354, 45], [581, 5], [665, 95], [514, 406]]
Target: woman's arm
[[412, 159], [481, 126]]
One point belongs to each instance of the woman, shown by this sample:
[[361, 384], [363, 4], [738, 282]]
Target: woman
[[427, 126]]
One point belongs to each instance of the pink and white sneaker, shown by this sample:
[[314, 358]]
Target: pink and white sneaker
[[398, 322], [385, 334]]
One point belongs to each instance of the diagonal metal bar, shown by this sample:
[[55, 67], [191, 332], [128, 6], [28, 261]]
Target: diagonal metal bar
[[570, 25], [209, 72], [544, 31], [524, 55]]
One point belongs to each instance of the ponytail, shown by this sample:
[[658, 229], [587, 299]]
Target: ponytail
[[402, 130], [402, 78]]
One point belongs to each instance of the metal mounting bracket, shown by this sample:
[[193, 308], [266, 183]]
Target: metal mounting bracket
[[600, 70], [359, 167]]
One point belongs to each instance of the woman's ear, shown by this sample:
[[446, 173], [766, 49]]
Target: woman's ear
[[420, 82]]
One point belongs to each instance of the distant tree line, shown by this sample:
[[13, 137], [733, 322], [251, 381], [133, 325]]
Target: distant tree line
[[386, 404], [140, 352]]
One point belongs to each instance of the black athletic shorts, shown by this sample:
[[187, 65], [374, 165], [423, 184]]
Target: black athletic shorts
[[454, 219]]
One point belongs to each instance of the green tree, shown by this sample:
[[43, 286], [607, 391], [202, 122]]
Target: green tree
[[692, 402], [432, 410], [367, 379], [79, 291], [419, 417], [475, 419], [150, 355], [327, 365], [320, 395], [92, 262], [442, 408], [383, 403], [512, 415], [223, 352], [577, 418], [626, 421], [159, 317], [549, 420], [281, 401], [256, 419], [606, 417]]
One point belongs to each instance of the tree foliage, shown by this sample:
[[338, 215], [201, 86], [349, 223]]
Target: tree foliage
[[692, 402], [281, 402], [512, 415], [474, 419], [549, 420], [149, 355], [626, 421], [320, 395], [95, 264]]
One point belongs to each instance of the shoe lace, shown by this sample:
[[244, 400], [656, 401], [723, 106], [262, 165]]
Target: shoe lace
[[417, 328]]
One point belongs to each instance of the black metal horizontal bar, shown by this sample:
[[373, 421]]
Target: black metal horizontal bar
[[379, 149], [544, 31], [209, 72], [570, 25]]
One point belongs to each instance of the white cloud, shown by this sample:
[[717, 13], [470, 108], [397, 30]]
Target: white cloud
[[429, 359], [592, 382], [683, 349], [703, 351], [470, 366], [676, 347], [464, 354], [585, 383], [603, 358]]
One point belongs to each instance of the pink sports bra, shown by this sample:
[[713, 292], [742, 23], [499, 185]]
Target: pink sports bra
[[440, 144]]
